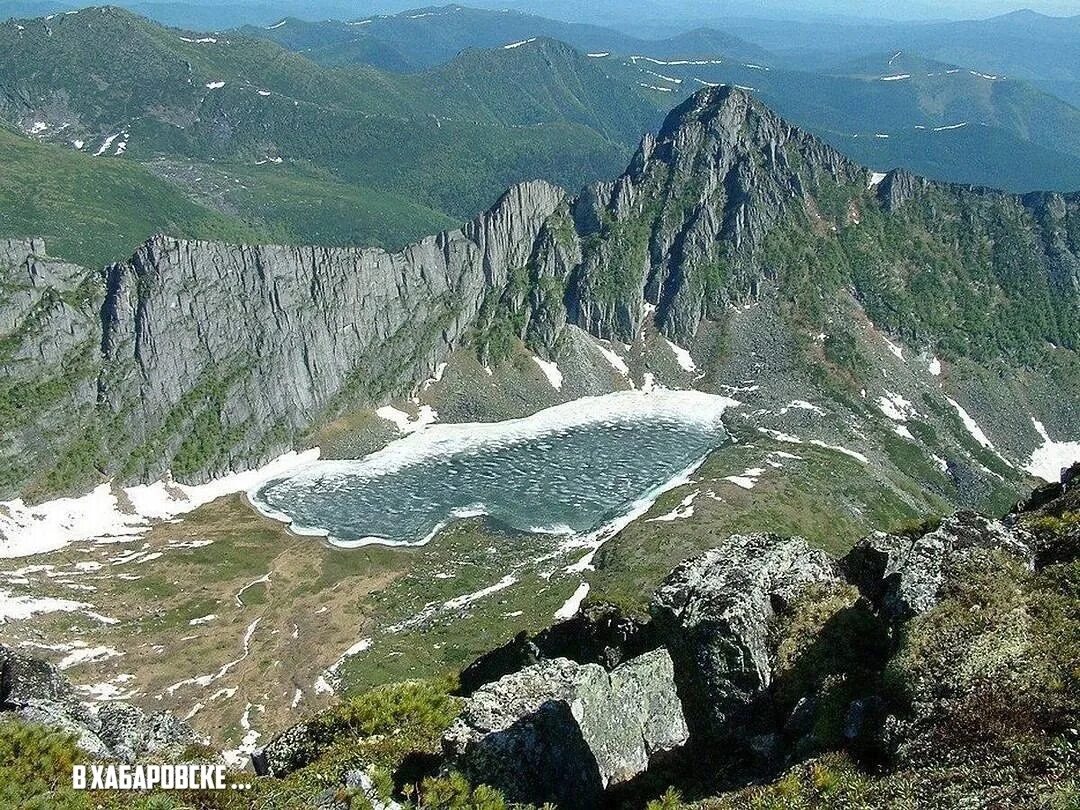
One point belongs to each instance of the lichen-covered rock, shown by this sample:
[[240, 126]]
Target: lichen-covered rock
[[129, 733], [564, 732], [293, 748], [36, 692], [903, 575], [597, 634], [714, 613]]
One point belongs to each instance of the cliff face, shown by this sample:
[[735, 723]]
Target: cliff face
[[269, 339], [203, 357], [684, 222]]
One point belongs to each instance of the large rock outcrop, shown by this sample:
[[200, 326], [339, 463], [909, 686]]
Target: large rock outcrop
[[904, 574], [36, 692], [596, 634], [564, 732], [714, 613]]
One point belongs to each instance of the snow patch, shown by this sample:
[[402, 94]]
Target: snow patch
[[23, 607], [214, 85], [106, 145], [685, 509], [837, 448], [82, 654], [748, 479], [551, 371], [425, 416], [99, 517], [801, 405], [513, 45], [1051, 457], [896, 350], [615, 360], [682, 357], [971, 425], [573, 604], [895, 407], [469, 598]]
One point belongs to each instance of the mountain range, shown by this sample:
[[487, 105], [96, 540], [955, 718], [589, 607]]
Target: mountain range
[[260, 135], [727, 205], [888, 348]]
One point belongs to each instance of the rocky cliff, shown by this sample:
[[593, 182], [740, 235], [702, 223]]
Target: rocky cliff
[[202, 357]]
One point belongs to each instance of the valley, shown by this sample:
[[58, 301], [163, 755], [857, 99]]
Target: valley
[[359, 399]]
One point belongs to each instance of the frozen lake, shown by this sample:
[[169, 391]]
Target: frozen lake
[[566, 470]]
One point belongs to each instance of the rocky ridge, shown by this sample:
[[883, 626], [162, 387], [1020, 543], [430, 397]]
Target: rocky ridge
[[200, 358], [36, 692]]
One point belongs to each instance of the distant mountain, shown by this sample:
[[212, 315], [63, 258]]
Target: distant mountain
[[31, 8], [258, 132], [898, 110], [1023, 45], [425, 37], [876, 106]]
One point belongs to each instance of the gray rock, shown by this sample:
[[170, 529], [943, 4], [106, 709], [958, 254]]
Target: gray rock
[[36, 692], [597, 634], [714, 614], [290, 750], [564, 732], [129, 733], [903, 575]]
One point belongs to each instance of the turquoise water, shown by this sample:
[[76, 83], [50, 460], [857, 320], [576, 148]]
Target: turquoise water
[[542, 478]]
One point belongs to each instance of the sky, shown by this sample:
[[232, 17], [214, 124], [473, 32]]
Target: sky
[[872, 9]]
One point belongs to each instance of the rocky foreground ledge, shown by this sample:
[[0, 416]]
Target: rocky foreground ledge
[[941, 662]]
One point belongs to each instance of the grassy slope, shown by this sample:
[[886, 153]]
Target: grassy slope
[[95, 211], [449, 141]]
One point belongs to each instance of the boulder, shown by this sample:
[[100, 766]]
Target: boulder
[[714, 613], [37, 692], [564, 732], [25, 680], [597, 634], [903, 575], [129, 733], [291, 750]]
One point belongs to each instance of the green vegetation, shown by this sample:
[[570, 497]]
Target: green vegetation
[[826, 497], [96, 211], [288, 150]]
